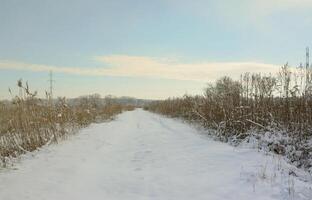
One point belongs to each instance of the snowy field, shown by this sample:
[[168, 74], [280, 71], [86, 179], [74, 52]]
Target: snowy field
[[142, 155]]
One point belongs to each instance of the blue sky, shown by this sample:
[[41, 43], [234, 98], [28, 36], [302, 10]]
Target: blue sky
[[146, 49]]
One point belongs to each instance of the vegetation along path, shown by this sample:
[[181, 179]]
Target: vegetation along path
[[141, 155]]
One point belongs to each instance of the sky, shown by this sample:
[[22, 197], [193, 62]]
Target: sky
[[143, 48]]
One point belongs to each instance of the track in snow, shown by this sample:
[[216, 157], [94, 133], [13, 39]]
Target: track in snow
[[141, 155]]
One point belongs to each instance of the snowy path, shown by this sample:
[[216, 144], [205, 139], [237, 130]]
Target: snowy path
[[141, 155]]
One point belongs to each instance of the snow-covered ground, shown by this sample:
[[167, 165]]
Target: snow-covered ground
[[141, 155]]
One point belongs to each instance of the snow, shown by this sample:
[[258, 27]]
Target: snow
[[141, 155]]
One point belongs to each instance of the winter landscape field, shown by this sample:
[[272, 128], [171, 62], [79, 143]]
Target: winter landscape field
[[155, 100], [112, 148], [141, 155]]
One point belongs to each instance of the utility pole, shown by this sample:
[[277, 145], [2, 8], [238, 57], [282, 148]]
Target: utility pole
[[307, 70], [51, 87], [307, 58]]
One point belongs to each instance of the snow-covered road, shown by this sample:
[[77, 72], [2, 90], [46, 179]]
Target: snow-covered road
[[141, 155]]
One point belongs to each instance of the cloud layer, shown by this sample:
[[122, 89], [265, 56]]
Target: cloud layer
[[138, 66]]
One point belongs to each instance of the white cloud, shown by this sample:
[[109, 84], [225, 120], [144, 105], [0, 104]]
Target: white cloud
[[136, 66]]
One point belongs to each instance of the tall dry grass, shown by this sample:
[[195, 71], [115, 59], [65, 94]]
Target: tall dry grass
[[262, 104], [27, 122]]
